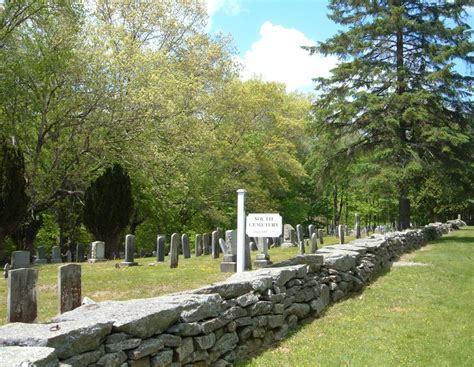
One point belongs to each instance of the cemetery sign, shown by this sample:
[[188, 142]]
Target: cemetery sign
[[264, 225]]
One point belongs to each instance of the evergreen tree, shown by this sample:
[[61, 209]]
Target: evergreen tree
[[397, 95], [13, 199], [108, 207]]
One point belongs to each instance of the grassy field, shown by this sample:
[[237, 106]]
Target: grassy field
[[102, 281], [410, 316]]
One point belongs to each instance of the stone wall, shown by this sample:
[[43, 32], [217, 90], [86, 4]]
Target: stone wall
[[214, 325]]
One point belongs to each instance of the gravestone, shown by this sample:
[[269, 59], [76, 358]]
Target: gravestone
[[40, 255], [215, 244], [69, 287], [248, 257], [6, 270], [206, 244], [97, 251], [314, 243], [129, 251], [231, 241], [185, 246], [311, 230], [56, 255], [198, 245], [20, 259], [300, 237], [69, 256], [21, 298], [174, 250], [289, 236], [80, 253], [160, 248], [340, 231], [321, 237], [357, 226], [253, 246], [262, 259], [229, 263]]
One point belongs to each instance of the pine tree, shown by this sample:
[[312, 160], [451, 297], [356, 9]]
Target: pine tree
[[397, 95], [13, 199], [108, 207]]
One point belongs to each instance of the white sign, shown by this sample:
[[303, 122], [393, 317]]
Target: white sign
[[264, 225]]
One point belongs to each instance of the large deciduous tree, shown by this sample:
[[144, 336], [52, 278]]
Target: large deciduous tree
[[397, 95], [108, 207]]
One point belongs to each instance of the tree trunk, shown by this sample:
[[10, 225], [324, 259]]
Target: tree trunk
[[404, 211]]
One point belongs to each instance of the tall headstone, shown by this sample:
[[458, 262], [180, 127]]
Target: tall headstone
[[206, 244], [174, 250], [248, 257], [185, 246], [80, 252], [69, 287], [459, 216], [300, 237], [129, 251], [20, 259], [357, 226], [311, 230], [40, 255], [289, 236], [160, 248], [198, 245], [262, 259], [97, 251], [69, 256], [321, 237], [6, 270], [231, 241], [215, 244], [340, 230], [314, 243], [56, 255], [229, 263], [21, 298]]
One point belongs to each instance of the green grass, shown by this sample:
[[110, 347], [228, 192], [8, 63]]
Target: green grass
[[410, 316], [102, 281]]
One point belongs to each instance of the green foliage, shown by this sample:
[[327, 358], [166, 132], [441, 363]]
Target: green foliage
[[13, 199], [108, 205]]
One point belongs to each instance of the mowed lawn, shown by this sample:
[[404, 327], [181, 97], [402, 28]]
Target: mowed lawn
[[410, 316], [102, 281]]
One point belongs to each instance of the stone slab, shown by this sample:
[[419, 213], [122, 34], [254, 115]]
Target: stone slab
[[28, 356]]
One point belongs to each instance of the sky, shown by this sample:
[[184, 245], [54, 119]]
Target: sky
[[268, 34]]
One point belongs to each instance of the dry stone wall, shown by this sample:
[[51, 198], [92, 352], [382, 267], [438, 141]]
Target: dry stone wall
[[214, 325]]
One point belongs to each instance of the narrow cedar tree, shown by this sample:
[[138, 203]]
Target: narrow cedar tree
[[13, 199], [108, 207], [396, 95]]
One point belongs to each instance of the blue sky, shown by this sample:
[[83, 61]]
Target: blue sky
[[268, 33]]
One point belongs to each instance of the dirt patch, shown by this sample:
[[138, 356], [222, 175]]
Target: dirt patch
[[409, 263]]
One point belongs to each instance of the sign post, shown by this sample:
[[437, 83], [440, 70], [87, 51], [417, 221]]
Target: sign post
[[241, 230], [263, 226]]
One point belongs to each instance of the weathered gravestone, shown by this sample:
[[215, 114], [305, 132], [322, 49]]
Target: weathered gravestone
[[160, 248], [21, 298], [311, 230], [185, 246], [262, 259], [129, 251], [198, 245], [314, 243], [97, 251], [69, 287], [20, 259], [56, 255], [357, 226], [215, 244], [248, 257], [253, 246], [289, 236], [174, 250], [321, 237], [206, 244], [6, 270], [229, 263], [300, 237], [68, 256], [40, 255], [340, 231], [80, 253]]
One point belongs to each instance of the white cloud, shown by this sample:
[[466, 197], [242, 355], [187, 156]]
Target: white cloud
[[278, 56], [230, 7]]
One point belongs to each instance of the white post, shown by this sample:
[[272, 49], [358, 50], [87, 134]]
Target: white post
[[241, 230]]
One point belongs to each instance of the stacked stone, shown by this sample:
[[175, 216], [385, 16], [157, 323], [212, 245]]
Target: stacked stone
[[217, 324]]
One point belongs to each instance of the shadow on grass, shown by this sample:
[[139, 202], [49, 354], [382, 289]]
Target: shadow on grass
[[310, 319]]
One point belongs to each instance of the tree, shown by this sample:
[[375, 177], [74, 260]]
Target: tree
[[397, 96], [108, 207], [13, 199]]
